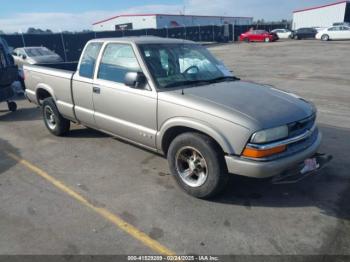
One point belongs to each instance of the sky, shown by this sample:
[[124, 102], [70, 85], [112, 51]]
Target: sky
[[76, 15]]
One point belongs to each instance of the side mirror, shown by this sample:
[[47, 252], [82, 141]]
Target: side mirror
[[135, 80]]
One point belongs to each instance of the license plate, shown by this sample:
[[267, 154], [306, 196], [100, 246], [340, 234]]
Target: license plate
[[310, 165]]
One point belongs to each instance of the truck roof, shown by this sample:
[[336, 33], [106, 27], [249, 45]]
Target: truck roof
[[144, 40]]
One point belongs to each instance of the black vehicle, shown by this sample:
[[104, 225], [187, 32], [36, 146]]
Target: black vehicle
[[305, 33], [8, 74]]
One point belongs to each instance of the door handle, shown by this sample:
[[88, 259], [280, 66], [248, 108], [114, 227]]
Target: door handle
[[96, 90]]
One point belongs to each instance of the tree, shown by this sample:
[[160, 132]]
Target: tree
[[37, 31]]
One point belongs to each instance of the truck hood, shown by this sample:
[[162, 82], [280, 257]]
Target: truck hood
[[248, 104]]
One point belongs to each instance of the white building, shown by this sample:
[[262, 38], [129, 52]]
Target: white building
[[322, 16], [155, 21]]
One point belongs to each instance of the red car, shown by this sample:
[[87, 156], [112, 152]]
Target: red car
[[258, 36]]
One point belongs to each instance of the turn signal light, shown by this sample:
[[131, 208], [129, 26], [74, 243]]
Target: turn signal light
[[255, 153]]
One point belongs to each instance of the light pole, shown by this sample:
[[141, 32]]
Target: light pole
[[63, 45], [213, 34], [199, 33], [23, 42]]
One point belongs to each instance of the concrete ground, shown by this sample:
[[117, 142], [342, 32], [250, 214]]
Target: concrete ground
[[251, 217]]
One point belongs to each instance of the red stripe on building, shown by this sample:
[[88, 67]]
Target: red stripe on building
[[319, 7]]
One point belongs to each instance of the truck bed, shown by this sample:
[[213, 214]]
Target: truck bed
[[55, 79], [66, 66]]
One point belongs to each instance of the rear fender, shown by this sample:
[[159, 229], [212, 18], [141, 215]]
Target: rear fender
[[45, 87]]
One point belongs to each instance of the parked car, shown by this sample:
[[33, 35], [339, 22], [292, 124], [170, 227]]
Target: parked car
[[175, 98], [319, 29], [8, 74], [35, 55], [258, 36], [342, 24], [283, 33], [305, 33], [334, 33]]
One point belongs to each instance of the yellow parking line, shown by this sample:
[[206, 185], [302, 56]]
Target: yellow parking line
[[117, 221]]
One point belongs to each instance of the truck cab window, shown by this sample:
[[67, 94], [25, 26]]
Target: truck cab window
[[88, 60], [117, 61]]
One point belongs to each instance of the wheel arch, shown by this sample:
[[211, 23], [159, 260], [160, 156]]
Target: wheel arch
[[176, 126], [42, 92]]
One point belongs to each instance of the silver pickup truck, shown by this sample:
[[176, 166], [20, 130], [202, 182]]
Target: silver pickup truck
[[174, 98]]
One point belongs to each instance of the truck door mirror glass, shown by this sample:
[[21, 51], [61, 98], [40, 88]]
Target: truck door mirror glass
[[135, 80]]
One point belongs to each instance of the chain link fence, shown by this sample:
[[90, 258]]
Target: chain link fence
[[70, 45]]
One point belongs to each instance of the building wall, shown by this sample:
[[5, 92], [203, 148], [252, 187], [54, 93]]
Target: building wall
[[142, 22], [138, 22], [320, 17]]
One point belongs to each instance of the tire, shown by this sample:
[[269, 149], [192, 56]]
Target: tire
[[12, 106], [54, 122], [247, 40], [296, 37], [212, 179], [325, 37], [267, 40]]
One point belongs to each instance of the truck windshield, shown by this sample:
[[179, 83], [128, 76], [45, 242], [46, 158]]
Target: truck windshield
[[173, 65]]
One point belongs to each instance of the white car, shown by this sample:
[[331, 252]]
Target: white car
[[334, 33], [282, 33]]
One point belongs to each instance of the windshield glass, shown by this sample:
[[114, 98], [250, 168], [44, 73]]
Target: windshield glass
[[174, 65], [38, 51]]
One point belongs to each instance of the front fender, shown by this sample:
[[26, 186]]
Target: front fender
[[198, 125]]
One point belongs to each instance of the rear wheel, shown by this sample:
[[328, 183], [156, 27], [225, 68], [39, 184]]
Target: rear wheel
[[197, 164], [325, 38], [247, 40], [267, 40], [53, 120]]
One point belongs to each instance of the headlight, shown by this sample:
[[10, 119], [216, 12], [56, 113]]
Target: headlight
[[270, 135]]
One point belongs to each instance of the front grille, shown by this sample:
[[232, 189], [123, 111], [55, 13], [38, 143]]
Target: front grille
[[300, 127]]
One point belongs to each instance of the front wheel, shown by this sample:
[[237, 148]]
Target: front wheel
[[198, 165], [53, 120], [267, 40]]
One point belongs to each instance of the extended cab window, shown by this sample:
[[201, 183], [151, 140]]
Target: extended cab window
[[88, 62], [117, 61]]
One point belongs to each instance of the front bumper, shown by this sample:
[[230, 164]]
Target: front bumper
[[259, 169]]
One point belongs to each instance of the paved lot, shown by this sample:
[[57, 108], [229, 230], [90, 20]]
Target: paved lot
[[251, 217]]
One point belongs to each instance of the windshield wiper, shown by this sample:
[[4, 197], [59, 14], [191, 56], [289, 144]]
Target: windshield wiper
[[224, 78], [202, 82]]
